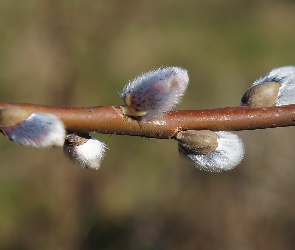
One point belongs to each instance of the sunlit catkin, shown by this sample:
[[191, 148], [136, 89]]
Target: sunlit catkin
[[32, 129], [84, 149], [211, 151], [275, 89], [155, 92]]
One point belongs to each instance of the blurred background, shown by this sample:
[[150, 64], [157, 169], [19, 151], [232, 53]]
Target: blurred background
[[80, 53]]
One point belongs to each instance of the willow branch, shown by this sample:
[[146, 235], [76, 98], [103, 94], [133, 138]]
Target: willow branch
[[110, 119]]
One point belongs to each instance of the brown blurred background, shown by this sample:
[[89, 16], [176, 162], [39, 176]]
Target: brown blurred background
[[80, 53]]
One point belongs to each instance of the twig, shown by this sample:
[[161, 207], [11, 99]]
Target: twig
[[110, 119]]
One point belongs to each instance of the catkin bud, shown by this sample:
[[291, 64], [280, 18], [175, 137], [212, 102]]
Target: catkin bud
[[31, 129], [84, 149], [275, 89], [224, 156], [155, 92]]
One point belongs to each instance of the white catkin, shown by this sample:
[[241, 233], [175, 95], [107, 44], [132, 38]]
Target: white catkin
[[286, 77], [89, 154], [227, 156], [155, 92], [40, 130]]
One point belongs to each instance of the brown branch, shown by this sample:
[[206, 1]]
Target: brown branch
[[110, 120]]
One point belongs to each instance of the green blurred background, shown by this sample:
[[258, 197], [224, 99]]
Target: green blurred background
[[80, 53]]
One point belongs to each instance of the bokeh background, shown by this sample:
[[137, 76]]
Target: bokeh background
[[80, 53]]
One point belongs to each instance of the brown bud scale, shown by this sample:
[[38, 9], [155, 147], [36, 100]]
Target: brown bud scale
[[13, 115], [261, 95], [198, 142], [77, 139]]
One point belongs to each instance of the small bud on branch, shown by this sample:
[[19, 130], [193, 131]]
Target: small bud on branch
[[155, 92], [32, 129], [226, 150], [85, 150], [277, 88]]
